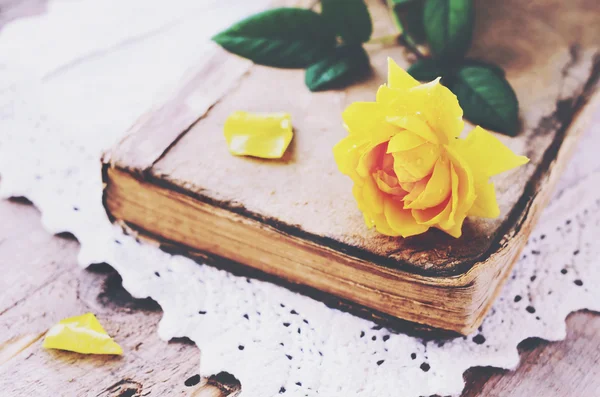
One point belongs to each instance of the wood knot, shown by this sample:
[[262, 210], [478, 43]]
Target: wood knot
[[123, 388]]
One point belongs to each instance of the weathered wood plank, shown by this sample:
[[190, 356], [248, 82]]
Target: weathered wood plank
[[567, 368], [43, 284]]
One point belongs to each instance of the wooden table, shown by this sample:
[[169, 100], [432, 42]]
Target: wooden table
[[41, 284]]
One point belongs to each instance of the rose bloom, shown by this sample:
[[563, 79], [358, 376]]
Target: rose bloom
[[410, 170]]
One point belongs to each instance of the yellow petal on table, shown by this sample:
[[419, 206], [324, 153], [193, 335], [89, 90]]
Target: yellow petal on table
[[398, 77], [347, 153], [401, 220], [81, 334], [438, 187], [404, 140], [264, 135], [416, 125], [418, 162], [483, 151]]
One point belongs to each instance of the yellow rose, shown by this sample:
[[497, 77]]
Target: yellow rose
[[410, 170]]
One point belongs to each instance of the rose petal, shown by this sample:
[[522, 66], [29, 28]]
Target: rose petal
[[438, 187], [417, 162], [347, 152], [372, 197], [387, 164], [434, 215], [371, 158], [401, 220], [360, 202], [465, 190], [417, 189], [398, 77], [388, 184], [367, 120], [440, 108], [431, 102], [264, 135], [414, 124], [485, 205], [404, 176], [486, 156], [382, 225], [404, 140], [408, 186], [484, 152], [451, 221], [369, 221], [354, 117]]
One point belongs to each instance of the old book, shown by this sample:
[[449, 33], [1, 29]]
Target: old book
[[172, 178]]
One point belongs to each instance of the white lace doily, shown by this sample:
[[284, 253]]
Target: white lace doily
[[72, 81]]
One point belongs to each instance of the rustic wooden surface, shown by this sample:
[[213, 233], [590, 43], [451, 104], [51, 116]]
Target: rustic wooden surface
[[42, 284]]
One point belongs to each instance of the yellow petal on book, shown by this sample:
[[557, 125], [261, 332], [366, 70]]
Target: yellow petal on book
[[264, 135]]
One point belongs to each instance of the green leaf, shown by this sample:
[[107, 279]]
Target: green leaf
[[282, 37], [427, 69], [408, 15], [449, 27], [349, 19], [475, 62], [487, 98], [346, 65]]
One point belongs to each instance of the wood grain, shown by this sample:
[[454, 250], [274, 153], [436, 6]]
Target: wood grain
[[41, 285], [275, 215]]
